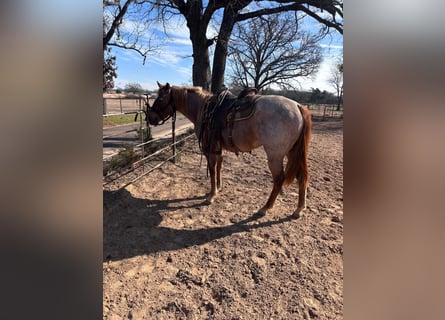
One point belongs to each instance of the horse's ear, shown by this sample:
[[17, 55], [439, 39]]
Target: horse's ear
[[159, 85], [167, 86]]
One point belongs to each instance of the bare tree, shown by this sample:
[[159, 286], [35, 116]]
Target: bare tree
[[272, 51], [325, 12], [336, 82], [126, 25], [134, 87], [198, 14]]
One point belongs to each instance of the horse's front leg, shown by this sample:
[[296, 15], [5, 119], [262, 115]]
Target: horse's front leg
[[212, 161], [219, 160]]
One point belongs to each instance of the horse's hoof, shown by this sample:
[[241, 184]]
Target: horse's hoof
[[261, 212], [209, 200], [298, 213]]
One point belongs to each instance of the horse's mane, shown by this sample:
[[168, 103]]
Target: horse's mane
[[180, 94]]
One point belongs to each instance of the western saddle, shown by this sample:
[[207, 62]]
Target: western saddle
[[222, 111]]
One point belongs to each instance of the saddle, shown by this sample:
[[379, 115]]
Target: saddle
[[221, 111]]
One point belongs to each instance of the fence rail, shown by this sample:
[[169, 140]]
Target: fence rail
[[147, 164], [135, 155], [114, 104], [134, 105], [322, 112]]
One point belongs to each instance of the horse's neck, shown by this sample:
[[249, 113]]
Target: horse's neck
[[188, 112], [192, 107]]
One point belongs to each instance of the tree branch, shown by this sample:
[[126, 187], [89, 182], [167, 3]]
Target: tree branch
[[143, 54], [180, 5], [211, 8], [262, 12], [333, 24], [295, 6], [116, 22]]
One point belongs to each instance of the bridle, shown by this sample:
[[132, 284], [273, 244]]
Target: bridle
[[171, 103]]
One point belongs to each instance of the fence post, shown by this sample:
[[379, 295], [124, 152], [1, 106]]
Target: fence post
[[174, 137], [142, 133], [104, 106], [147, 104]]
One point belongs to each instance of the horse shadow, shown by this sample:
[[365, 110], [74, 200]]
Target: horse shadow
[[132, 226]]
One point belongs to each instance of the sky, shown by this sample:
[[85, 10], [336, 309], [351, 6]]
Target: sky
[[173, 62]]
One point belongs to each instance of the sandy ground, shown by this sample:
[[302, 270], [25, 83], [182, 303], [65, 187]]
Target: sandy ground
[[169, 256]]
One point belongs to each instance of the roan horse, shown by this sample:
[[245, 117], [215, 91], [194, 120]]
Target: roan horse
[[280, 125]]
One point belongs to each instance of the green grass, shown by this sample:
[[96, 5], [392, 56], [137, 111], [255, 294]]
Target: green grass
[[117, 120]]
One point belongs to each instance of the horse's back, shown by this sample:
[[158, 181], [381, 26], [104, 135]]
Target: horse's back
[[276, 124], [278, 107]]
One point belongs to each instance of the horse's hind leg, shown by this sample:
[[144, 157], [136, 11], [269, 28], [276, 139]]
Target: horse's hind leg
[[302, 189], [276, 168]]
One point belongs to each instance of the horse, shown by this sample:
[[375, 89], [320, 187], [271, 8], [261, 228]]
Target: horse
[[282, 126]]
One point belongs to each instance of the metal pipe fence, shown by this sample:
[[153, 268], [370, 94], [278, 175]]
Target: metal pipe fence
[[139, 168], [323, 112], [134, 156], [151, 168], [115, 107]]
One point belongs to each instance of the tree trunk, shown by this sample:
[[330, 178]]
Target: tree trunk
[[220, 57], [219, 66], [200, 44], [225, 31], [201, 61], [340, 96]]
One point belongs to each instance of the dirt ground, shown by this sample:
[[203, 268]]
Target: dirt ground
[[169, 256]]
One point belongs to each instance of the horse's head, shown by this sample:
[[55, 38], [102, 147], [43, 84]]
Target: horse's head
[[163, 107]]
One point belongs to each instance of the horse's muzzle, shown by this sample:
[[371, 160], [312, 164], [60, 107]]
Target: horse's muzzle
[[153, 118]]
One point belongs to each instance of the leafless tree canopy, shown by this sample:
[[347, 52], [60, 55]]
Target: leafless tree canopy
[[272, 50], [126, 24], [198, 14]]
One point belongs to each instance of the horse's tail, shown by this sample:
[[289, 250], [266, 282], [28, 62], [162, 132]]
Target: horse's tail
[[297, 166]]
